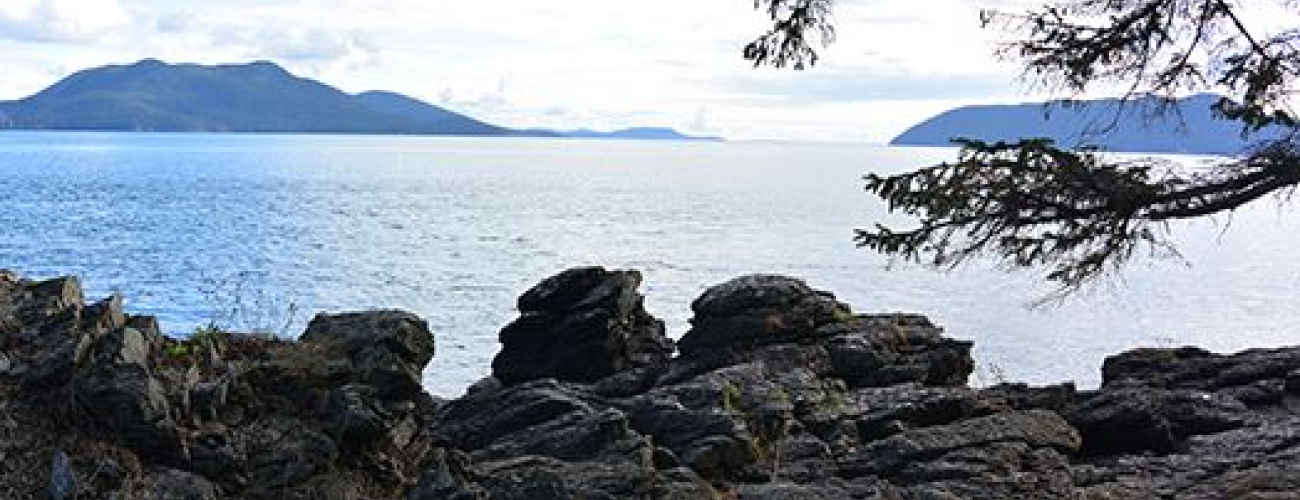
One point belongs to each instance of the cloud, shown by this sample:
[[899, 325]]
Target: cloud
[[865, 84], [311, 46], [56, 21], [287, 43]]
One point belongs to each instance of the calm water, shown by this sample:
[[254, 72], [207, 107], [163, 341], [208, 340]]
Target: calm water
[[275, 228]]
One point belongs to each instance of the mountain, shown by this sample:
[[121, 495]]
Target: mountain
[[636, 133], [1190, 127], [258, 97], [155, 96]]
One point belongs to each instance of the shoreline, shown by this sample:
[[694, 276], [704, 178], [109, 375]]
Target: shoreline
[[778, 391]]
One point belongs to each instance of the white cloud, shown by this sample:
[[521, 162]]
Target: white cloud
[[577, 63], [61, 20]]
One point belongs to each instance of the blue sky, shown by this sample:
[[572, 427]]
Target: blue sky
[[523, 63]]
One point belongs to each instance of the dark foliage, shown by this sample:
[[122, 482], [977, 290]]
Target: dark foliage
[[799, 28], [1078, 213]]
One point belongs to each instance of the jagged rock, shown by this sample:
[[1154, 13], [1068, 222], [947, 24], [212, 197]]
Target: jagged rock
[[581, 325], [757, 310], [1292, 384], [1016, 454], [541, 478], [780, 394], [542, 418], [1198, 369], [360, 418], [171, 484], [1159, 420], [285, 454], [743, 319], [878, 351], [1257, 461], [388, 349], [1036, 428], [709, 441], [788, 491], [120, 393], [446, 477]]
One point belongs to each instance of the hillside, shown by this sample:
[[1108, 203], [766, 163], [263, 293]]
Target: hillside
[[1191, 127], [257, 97]]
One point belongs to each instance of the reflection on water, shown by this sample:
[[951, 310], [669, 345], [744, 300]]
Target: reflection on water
[[193, 227]]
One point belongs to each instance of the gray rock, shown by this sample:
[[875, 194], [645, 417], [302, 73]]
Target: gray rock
[[1038, 429], [447, 478], [119, 390], [1198, 369], [581, 325], [1158, 420], [540, 418], [757, 310], [388, 350], [171, 484], [884, 350]]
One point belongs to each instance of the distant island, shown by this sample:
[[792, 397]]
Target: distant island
[[257, 97], [640, 133], [1190, 126]]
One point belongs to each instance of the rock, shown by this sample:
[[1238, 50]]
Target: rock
[[1016, 454], [103, 316], [1036, 428], [780, 394], [51, 298], [1158, 420], [447, 478], [1293, 383], [539, 478], [581, 325], [388, 350], [286, 454], [757, 310], [120, 393], [1258, 461], [171, 484], [710, 442], [542, 418], [879, 351], [1197, 369], [63, 480]]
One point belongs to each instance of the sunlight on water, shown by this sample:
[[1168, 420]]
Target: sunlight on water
[[190, 227]]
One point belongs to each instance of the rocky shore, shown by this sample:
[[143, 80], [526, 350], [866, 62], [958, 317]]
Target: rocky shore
[[778, 392]]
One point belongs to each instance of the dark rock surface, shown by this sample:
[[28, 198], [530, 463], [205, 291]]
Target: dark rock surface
[[581, 325], [780, 393]]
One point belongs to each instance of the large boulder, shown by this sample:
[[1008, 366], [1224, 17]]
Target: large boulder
[[779, 319], [757, 310], [387, 350], [581, 325], [884, 350]]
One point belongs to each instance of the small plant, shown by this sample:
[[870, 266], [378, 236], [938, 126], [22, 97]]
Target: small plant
[[179, 349], [731, 400], [842, 315], [769, 424], [237, 305], [990, 374]]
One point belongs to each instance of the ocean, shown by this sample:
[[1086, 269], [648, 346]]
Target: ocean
[[260, 232]]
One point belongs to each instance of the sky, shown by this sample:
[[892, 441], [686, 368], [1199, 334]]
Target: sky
[[574, 63]]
